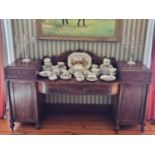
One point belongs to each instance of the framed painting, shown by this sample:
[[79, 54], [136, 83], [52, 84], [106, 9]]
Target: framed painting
[[79, 29]]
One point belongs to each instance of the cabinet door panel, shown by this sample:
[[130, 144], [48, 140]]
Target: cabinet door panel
[[131, 103], [23, 96]]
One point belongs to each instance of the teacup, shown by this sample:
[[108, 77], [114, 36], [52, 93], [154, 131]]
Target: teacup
[[55, 67], [80, 77], [96, 71], [62, 70], [65, 76], [78, 74], [52, 76], [56, 71], [94, 66], [86, 72], [91, 76]]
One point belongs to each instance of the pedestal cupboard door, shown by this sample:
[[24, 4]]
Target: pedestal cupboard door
[[132, 103], [24, 100]]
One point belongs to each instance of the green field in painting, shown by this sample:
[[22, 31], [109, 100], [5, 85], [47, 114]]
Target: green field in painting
[[93, 27]]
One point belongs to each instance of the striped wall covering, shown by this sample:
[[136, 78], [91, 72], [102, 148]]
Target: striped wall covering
[[131, 29]]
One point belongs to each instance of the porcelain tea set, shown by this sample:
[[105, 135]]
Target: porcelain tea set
[[90, 72], [53, 72]]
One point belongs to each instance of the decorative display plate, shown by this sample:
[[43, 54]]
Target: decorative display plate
[[79, 61], [107, 77]]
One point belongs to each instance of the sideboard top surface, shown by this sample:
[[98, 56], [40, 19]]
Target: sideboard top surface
[[122, 65], [34, 63]]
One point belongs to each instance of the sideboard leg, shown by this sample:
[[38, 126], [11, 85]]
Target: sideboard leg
[[117, 127], [12, 125], [37, 125], [142, 127]]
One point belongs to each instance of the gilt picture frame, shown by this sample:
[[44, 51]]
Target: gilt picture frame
[[79, 29]]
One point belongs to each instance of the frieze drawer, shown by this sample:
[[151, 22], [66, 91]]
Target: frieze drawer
[[76, 89], [102, 89], [140, 76], [14, 73], [51, 87]]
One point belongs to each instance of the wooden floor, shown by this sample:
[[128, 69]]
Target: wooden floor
[[62, 124]]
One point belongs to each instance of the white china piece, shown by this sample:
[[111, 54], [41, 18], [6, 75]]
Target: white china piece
[[104, 70], [86, 73], [60, 64], [79, 61], [47, 60], [65, 76], [48, 64], [91, 77], [106, 61], [71, 71], [47, 68], [80, 78], [112, 71], [44, 73], [55, 67], [52, 76], [64, 70], [96, 71], [107, 78], [78, 74], [56, 71], [94, 66]]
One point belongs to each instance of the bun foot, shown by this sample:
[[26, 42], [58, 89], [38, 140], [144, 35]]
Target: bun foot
[[37, 126]]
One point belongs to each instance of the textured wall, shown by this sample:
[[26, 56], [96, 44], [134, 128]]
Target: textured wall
[[132, 28]]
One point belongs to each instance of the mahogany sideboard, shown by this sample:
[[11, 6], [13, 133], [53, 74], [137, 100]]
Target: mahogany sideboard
[[128, 92]]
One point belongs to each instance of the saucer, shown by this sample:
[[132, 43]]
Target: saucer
[[44, 73], [52, 78], [107, 77], [91, 79], [66, 76]]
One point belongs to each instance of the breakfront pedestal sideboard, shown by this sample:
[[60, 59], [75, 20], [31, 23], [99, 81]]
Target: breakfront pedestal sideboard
[[128, 91]]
